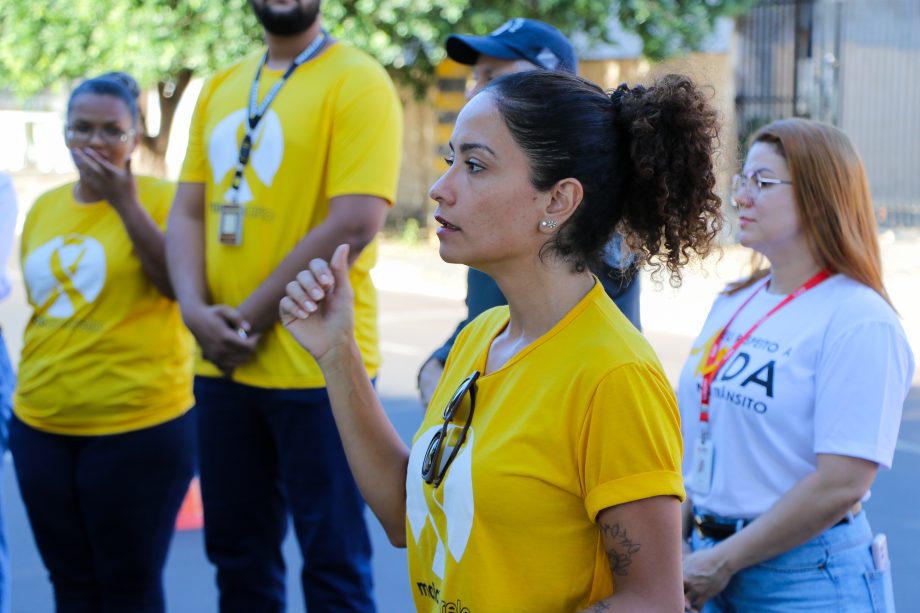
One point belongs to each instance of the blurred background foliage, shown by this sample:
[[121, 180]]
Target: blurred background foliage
[[165, 43]]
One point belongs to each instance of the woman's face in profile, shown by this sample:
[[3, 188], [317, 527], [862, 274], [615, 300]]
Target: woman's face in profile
[[767, 217], [102, 123], [488, 210]]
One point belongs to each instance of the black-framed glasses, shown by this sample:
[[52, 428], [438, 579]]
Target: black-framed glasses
[[111, 135], [754, 182], [435, 465]]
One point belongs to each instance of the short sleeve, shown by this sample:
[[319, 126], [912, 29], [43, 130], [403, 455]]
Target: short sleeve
[[367, 137], [195, 165], [631, 441], [863, 378]]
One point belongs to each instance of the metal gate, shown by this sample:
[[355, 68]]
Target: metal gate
[[852, 63]]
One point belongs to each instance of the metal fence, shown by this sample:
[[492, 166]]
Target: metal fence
[[853, 63]]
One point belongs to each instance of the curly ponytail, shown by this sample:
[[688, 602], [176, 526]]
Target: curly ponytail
[[644, 157], [670, 207]]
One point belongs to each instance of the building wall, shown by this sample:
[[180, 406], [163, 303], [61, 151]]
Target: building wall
[[880, 101], [852, 63], [420, 126]]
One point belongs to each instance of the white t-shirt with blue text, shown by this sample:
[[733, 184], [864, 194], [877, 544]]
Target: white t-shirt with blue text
[[828, 373]]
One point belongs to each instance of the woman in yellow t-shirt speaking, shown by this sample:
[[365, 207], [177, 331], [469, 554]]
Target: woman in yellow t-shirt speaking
[[102, 439], [545, 476]]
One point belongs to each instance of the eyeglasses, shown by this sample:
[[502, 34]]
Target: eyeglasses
[[754, 182], [111, 135], [435, 465]]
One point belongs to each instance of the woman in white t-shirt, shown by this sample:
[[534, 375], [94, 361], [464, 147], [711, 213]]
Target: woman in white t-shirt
[[805, 368]]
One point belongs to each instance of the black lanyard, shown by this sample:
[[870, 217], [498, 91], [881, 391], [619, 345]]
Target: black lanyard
[[257, 111]]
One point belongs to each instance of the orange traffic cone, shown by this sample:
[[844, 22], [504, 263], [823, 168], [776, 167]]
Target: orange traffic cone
[[191, 513]]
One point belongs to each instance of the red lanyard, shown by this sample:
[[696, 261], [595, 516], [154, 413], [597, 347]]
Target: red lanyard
[[718, 357]]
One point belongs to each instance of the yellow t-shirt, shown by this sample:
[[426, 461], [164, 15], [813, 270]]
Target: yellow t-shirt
[[104, 352], [580, 420], [334, 129]]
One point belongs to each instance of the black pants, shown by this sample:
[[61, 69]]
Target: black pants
[[268, 455], [102, 510]]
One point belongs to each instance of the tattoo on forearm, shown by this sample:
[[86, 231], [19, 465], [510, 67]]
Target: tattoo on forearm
[[600, 606], [620, 557]]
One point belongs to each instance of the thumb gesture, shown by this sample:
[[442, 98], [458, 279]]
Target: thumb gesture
[[318, 308]]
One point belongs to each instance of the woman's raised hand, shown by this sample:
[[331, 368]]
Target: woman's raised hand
[[116, 185], [318, 309]]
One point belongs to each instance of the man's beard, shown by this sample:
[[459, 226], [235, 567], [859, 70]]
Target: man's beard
[[288, 23]]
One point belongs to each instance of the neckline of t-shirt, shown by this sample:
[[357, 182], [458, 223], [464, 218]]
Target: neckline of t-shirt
[[275, 73], [82, 206], [766, 300], [765, 295], [563, 323], [779, 297]]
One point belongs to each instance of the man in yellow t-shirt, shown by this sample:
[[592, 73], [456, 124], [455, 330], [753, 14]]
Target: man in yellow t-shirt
[[290, 154]]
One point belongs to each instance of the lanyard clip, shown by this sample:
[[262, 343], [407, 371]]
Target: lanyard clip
[[245, 148]]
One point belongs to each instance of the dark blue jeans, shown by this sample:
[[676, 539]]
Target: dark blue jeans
[[102, 510], [265, 454], [7, 385]]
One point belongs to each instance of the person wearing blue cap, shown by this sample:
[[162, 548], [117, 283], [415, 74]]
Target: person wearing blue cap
[[516, 46], [520, 45]]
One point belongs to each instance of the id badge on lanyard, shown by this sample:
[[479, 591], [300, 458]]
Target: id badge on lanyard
[[230, 227], [700, 480], [231, 224], [232, 214]]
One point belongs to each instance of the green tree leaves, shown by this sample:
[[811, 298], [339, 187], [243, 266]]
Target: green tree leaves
[[50, 44]]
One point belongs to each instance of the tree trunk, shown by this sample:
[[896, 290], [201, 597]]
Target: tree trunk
[[153, 146]]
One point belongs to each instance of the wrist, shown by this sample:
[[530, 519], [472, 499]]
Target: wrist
[[249, 317], [342, 355], [731, 556], [125, 204], [191, 310]]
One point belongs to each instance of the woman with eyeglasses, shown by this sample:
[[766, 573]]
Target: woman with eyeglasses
[[545, 475], [791, 398], [102, 439]]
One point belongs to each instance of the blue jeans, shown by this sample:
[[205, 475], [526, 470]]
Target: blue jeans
[[7, 385], [267, 453], [832, 572], [103, 510]]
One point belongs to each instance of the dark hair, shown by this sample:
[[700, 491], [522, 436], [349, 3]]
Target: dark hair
[[116, 84], [644, 157]]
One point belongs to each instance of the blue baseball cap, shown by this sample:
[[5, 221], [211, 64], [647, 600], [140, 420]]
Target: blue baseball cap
[[517, 39]]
